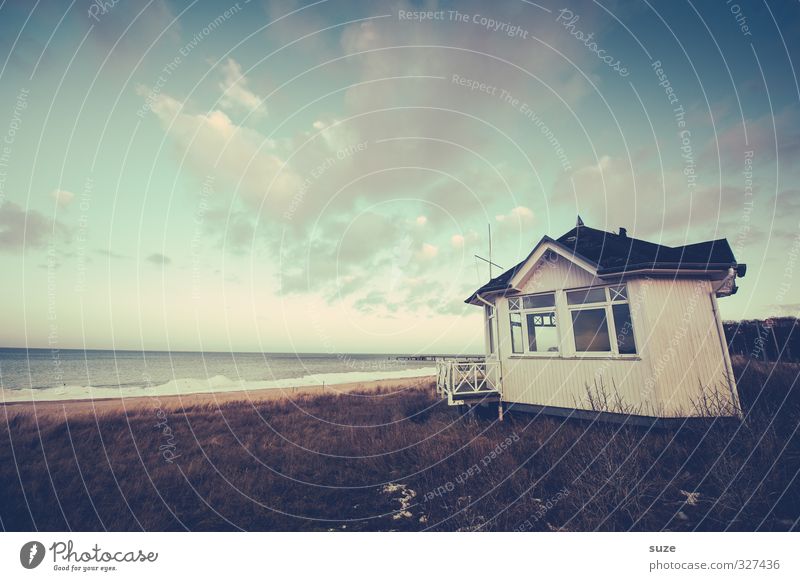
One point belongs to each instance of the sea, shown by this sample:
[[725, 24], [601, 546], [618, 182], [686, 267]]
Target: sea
[[63, 374]]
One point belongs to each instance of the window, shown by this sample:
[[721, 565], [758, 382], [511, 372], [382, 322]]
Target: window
[[532, 302], [590, 330], [516, 332], [542, 332], [589, 295], [618, 293], [490, 327], [594, 312], [624, 329], [534, 317], [539, 301]]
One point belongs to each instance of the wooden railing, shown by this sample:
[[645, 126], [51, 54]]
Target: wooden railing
[[462, 379]]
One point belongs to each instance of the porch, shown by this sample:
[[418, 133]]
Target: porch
[[469, 380]]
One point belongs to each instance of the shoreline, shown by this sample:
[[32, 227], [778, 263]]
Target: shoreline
[[128, 404]]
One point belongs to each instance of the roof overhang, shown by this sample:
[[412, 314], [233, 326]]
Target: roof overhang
[[546, 244]]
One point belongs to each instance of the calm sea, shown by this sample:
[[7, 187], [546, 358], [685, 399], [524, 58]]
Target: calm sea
[[70, 374]]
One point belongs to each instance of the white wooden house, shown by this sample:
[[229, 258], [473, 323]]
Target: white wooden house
[[595, 322]]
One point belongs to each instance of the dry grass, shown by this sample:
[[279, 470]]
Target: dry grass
[[401, 460]]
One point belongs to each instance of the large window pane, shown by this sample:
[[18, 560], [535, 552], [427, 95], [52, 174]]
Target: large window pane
[[539, 301], [587, 295], [624, 329], [516, 332], [591, 330], [542, 332]]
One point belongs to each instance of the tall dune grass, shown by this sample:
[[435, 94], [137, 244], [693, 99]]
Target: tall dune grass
[[402, 460]]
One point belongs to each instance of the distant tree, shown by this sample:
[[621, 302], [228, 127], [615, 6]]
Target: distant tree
[[775, 339]]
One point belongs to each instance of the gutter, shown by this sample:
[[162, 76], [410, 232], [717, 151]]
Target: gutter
[[671, 266], [497, 347], [726, 356]]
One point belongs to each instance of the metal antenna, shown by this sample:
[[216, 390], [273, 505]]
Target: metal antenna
[[487, 261], [490, 250]]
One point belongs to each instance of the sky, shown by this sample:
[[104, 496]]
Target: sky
[[318, 176]]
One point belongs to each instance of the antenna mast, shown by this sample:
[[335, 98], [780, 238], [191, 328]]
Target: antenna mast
[[490, 250]]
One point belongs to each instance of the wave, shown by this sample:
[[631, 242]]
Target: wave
[[215, 384]]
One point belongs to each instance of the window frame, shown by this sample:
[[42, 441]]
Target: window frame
[[618, 298], [523, 312], [491, 330]]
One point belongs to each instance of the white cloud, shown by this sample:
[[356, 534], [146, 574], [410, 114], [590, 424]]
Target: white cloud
[[520, 215], [62, 197], [243, 158], [236, 94], [428, 251]]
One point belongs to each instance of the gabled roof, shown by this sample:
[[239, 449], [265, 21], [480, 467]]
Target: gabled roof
[[616, 254]]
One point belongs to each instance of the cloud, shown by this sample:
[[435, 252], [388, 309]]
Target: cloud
[[235, 92], [62, 197], [20, 229], [159, 259], [391, 184], [111, 254], [428, 251], [769, 137], [520, 216], [126, 30], [650, 204], [213, 144]]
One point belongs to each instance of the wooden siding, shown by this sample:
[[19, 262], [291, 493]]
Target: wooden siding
[[554, 272]]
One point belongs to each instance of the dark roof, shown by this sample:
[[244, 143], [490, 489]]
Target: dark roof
[[618, 253]]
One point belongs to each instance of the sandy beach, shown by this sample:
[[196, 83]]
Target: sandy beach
[[73, 407]]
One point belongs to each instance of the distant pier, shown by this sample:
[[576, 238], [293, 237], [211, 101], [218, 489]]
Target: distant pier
[[434, 357]]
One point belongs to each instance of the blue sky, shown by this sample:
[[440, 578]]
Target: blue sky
[[317, 176]]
